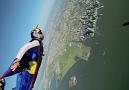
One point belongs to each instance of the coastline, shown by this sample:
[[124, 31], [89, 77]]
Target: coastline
[[69, 34]]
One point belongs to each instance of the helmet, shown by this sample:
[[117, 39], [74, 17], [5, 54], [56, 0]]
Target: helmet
[[36, 33]]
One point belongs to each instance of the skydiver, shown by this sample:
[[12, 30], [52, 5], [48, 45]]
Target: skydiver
[[126, 23], [27, 62]]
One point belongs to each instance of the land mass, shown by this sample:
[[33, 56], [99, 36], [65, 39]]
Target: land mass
[[73, 22]]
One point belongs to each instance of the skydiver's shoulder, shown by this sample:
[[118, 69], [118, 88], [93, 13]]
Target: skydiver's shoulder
[[34, 42], [31, 44]]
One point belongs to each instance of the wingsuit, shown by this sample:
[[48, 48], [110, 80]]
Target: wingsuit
[[27, 62]]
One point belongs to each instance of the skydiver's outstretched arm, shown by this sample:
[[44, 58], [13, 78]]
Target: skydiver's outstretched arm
[[22, 51], [27, 47]]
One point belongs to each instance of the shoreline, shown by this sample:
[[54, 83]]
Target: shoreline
[[65, 49]]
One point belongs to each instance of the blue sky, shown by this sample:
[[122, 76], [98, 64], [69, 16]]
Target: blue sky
[[17, 19]]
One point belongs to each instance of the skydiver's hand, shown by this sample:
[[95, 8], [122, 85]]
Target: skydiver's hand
[[15, 66]]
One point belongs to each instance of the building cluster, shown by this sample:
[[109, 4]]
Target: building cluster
[[89, 18]]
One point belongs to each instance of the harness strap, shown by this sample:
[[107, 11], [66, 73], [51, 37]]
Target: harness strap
[[38, 63]]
